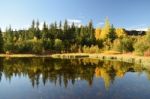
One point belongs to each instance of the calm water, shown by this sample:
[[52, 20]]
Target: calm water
[[45, 78]]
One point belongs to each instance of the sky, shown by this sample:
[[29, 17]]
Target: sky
[[129, 14]]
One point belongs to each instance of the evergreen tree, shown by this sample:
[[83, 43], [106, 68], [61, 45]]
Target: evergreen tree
[[65, 30], [45, 31], [9, 40], [32, 30], [91, 34], [91, 30], [53, 31], [72, 33], [59, 34], [112, 35], [37, 33]]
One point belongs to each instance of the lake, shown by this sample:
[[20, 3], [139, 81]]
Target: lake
[[47, 78]]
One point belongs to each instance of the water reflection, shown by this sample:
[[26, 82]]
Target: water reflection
[[60, 72]]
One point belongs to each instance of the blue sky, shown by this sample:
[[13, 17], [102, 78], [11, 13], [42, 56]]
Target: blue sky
[[130, 14]]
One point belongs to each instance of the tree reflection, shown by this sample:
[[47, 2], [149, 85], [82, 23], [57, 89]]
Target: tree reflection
[[61, 72]]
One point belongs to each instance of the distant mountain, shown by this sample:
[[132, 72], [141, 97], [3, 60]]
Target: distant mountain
[[135, 32]]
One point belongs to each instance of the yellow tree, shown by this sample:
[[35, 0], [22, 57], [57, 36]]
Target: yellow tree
[[120, 32], [98, 33], [105, 29]]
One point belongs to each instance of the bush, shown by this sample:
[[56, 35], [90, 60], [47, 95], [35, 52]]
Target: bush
[[100, 43], [37, 47], [107, 44], [92, 49], [127, 44], [58, 45], [8, 46], [48, 44], [147, 52], [117, 45], [86, 49], [74, 48], [141, 46], [123, 45]]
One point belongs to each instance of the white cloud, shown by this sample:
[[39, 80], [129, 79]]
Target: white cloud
[[100, 24], [75, 21]]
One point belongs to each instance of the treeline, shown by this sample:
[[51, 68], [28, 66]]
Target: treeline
[[52, 38], [63, 37]]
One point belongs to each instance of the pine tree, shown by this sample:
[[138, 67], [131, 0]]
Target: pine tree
[[53, 31], [112, 35], [32, 30], [91, 30], [59, 33], [65, 30], [9, 40], [37, 33], [45, 31]]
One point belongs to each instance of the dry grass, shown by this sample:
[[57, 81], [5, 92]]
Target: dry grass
[[109, 55], [111, 52], [23, 55]]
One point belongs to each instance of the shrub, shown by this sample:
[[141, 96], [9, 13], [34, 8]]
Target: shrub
[[127, 44], [147, 52], [141, 46], [37, 47], [100, 43], [123, 45], [8, 46], [58, 45], [47, 44], [8, 53], [74, 48], [86, 49], [92, 49], [117, 45]]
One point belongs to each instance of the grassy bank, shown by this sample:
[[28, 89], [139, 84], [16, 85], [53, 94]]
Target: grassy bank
[[23, 55], [70, 55], [145, 61]]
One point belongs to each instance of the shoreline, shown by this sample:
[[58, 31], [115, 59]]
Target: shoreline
[[23, 55], [130, 58]]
